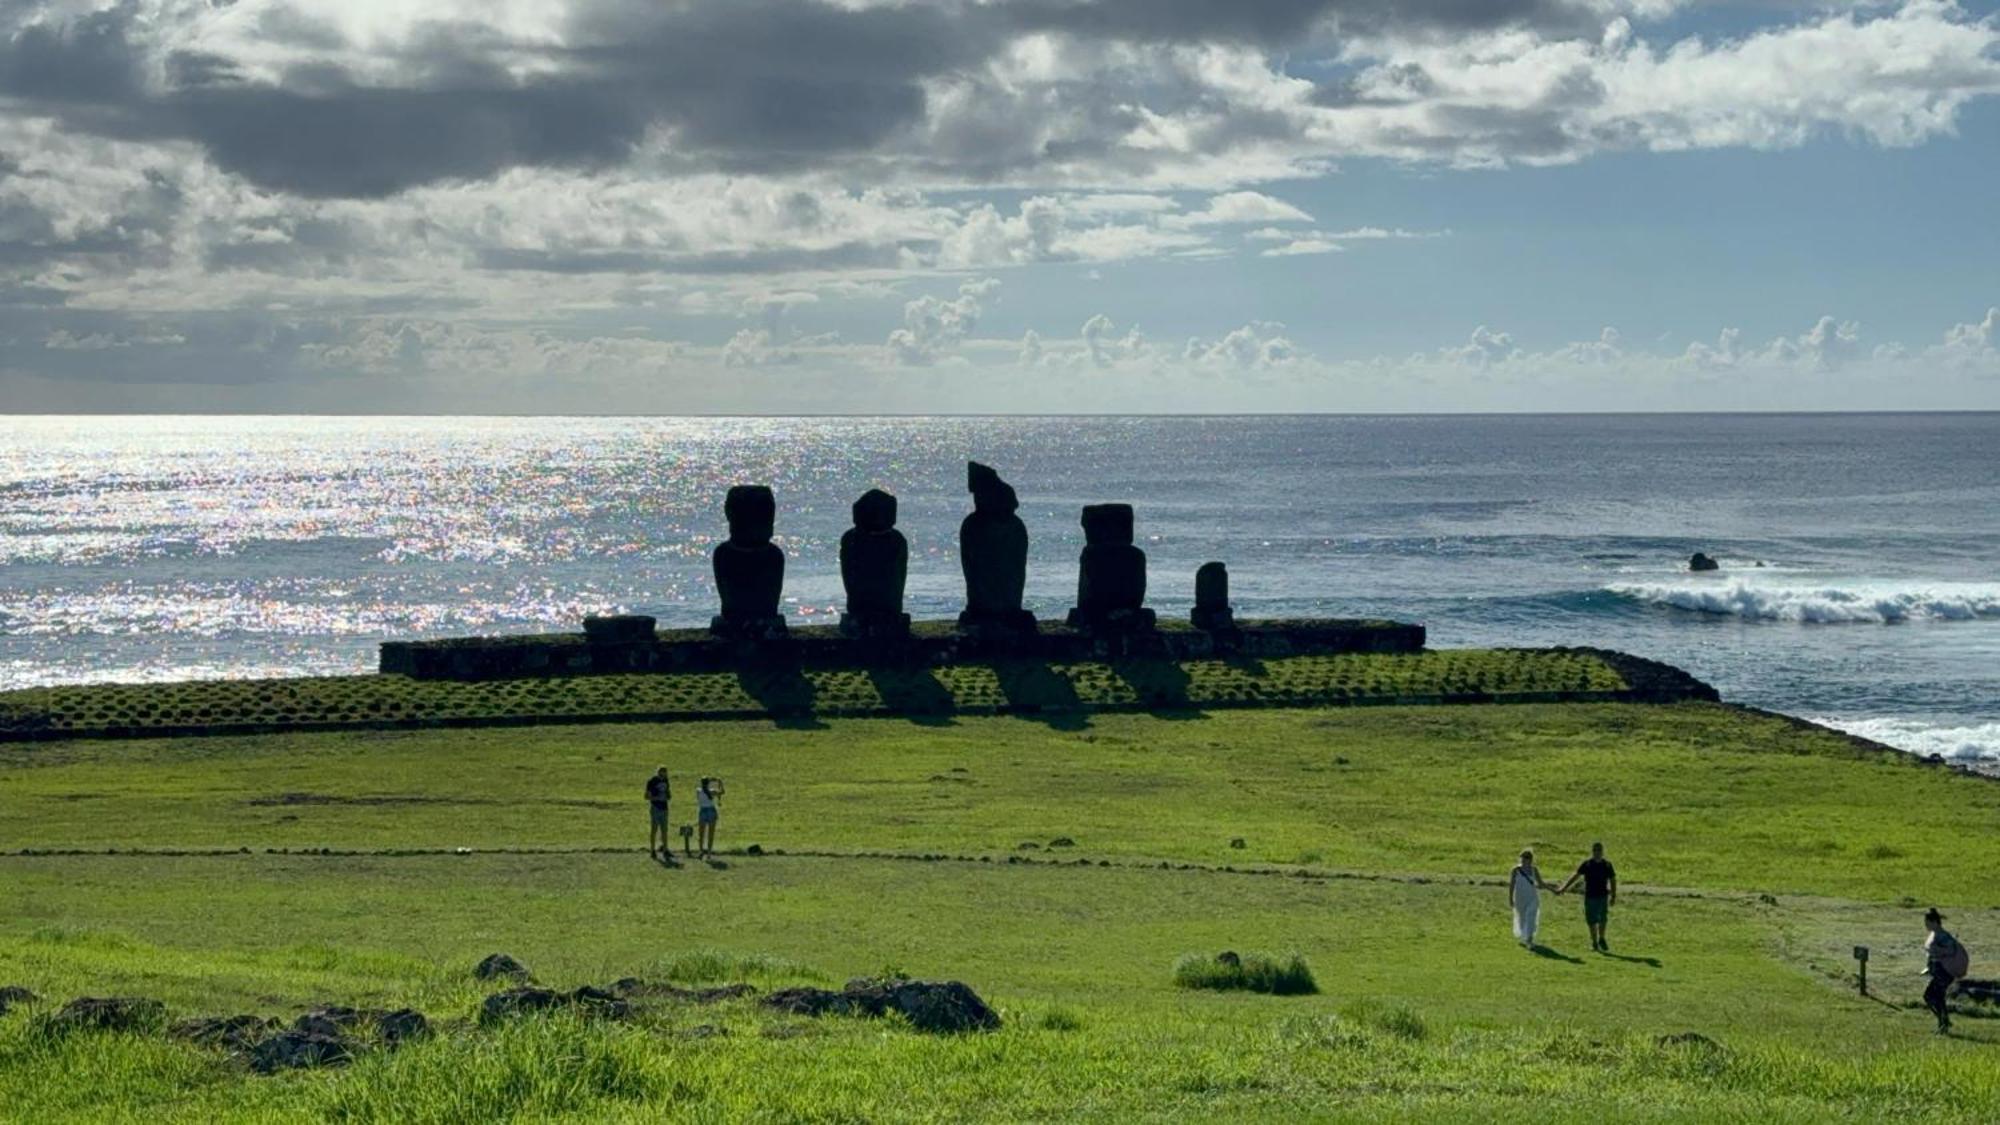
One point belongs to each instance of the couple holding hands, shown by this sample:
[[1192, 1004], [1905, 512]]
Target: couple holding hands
[[1600, 893]]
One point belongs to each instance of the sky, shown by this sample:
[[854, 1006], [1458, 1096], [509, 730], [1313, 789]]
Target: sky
[[1009, 206]]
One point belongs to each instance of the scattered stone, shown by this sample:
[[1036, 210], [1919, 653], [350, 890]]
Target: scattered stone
[[754, 849], [1027, 846], [1237, 842], [993, 552], [1701, 563], [749, 568], [1230, 958], [938, 1008], [526, 1001], [1062, 842], [234, 1033], [500, 965], [620, 629], [401, 1026], [1688, 1039], [109, 1013], [295, 1050], [1768, 899], [13, 994]]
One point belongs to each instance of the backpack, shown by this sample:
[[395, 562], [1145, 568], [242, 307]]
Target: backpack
[[1952, 956]]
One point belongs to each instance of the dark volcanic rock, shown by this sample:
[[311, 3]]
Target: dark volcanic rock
[[109, 1013], [632, 988], [993, 552], [1693, 1039], [500, 965], [749, 568], [13, 994], [293, 1050], [526, 1001], [401, 1026], [874, 567], [620, 628], [939, 1008], [1700, 563], [234, 1033]]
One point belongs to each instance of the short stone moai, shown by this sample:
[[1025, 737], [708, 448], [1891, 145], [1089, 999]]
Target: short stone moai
[[993, 549], [1111, 574], [874, 565], [1211, 599], [749, 568]]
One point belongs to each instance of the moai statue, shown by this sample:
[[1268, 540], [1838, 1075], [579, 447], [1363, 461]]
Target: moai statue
[[1111, 575], [749, 568], [1211, 599], [874, 564], [993, 549]]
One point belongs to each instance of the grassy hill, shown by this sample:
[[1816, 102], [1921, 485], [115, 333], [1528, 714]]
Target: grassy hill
[[1060, 864]]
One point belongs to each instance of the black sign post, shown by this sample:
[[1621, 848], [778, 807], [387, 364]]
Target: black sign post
[[1861, 955]]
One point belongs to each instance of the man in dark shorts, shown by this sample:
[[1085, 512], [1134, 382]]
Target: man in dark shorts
[[1600, 894], [658, 793]]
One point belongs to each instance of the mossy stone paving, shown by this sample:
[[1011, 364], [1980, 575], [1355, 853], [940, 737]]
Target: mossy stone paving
[[386, 701]]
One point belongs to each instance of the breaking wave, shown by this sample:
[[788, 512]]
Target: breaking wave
[[1976, 744], [1860, 603]]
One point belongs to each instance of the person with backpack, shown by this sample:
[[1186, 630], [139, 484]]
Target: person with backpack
[[1945, 960]]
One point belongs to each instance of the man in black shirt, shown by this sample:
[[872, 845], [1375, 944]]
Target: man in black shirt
[[658, 793], [1600, 894]]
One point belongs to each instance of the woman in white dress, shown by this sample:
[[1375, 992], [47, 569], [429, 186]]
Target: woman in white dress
[[1524, 887]]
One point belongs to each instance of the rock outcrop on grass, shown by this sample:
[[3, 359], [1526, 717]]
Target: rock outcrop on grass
[[942, 1008], [108, 1013], [499, 966], [297, 1050], [330, 1035], [231, 1033], [529, 1000], [13, 994], [632, 988]]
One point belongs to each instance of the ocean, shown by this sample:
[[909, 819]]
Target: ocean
[[1859, 552]]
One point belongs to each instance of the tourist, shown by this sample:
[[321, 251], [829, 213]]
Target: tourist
[[1600, 894], [1945, 960], [707, 812], [1524, 894], [658, 794]]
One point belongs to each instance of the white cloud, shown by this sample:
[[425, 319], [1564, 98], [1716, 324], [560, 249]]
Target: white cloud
[[933, 327], [1309, 245]]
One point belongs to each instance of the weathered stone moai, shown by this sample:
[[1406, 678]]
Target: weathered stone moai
[[1111, 574], [749, 568], [1211, 599], [874, 565], [993, 549]]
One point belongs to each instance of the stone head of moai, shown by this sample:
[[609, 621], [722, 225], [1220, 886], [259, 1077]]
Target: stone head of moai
[[749, 568], [1108, 525], [993, 551], [990, 494], [752, 513], [874, 566]]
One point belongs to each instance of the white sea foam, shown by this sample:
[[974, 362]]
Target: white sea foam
[[1877, 603], [1975, 744]]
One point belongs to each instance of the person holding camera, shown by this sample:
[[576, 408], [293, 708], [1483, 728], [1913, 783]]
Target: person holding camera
[[708, 810]]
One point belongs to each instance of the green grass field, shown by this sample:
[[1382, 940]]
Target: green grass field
[[387, 702], [1374, 840]]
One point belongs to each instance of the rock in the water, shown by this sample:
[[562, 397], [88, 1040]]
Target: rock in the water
[[13, 994], [500, 965], [749, 568], [939, 1008], [293, 1050], [874, 567], [1211, 598], [1700, 563], [993, 552], [234, 1033], [1111, 572], [109, 1013]]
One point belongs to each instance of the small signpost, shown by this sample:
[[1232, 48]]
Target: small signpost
[[687, 848], [1861, 956]]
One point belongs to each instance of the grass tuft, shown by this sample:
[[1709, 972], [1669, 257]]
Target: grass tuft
[[1250, 972]]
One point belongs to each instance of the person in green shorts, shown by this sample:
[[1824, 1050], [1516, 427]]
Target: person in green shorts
[[1600, 894]]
